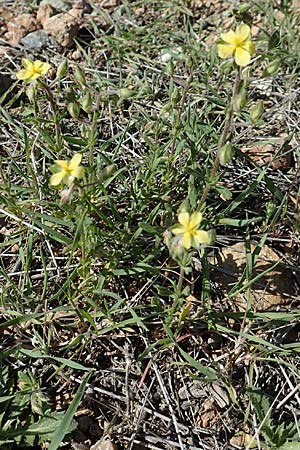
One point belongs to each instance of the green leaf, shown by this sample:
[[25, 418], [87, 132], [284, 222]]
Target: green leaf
[[64, 426], [64, 361], [293, 445], [274, 40], [238, 222], [208, 372]]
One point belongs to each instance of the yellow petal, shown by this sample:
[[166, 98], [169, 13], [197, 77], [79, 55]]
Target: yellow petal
[[228, 37], [34, 76], [45, 68], [195, 219], [242, 57], [249, 46], [225, 50], [77, 172], [41, 67], [201, 237], [56, 178], [242, 32], [23, 74], [63, 164], [75, 161], [186, 241], [184, 219], [27, 63], [178, 230]]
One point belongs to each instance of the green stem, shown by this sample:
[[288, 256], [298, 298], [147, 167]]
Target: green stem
[[55, 112], [223, 139], [178, 119], [180, 281]]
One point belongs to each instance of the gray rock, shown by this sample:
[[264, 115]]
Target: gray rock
[[59, 5], [36, 39]]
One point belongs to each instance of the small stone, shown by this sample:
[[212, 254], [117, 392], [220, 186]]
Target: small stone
[[6, 14], [44, 12], [15, 248], [19, 26], [77, 13], [63, 27], [14, 37], [36, 39], [26, 21], [59, 5], [82, 4], [76, 55]]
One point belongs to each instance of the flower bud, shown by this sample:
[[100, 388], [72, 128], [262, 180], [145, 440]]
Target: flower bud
[[165, 109], [65, 194], [189, 62], [124, 93], [175, 97], [79, 75], [170, 69], [62, 69], [86, 102], [39, 402], [225, 154], [272, 68], [257, 111], [31, 92], [74, 109], [107, 172], [211, 238], [244, 7], [240, 100], [184, 206]]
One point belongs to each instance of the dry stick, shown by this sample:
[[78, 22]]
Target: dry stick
[[152, 412], [168, 402], [223, 139]]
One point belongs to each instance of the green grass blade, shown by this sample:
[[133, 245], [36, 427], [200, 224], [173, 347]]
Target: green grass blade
[[67, 419]]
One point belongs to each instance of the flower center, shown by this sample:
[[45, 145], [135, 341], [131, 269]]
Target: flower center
[[35, 70], [191, 230], [239, 41]]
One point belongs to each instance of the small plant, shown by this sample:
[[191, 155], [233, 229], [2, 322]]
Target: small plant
[[27, 417], [277, 436], [137, 222]]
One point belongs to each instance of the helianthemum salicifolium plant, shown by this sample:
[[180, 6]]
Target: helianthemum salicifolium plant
[[33, 74], [187, 235]]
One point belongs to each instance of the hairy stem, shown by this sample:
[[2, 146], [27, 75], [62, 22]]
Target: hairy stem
[[223, 139]]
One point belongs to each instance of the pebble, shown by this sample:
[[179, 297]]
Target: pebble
[[36, 39], [19, 26], [44, 12], [63, 27], [59, 5]]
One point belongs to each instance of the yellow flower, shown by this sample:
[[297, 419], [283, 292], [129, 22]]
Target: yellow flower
[[33, 70], [237, 43], [187, 230], [67, 171]]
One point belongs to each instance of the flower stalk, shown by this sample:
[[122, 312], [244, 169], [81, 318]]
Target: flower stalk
[[223, 140]]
